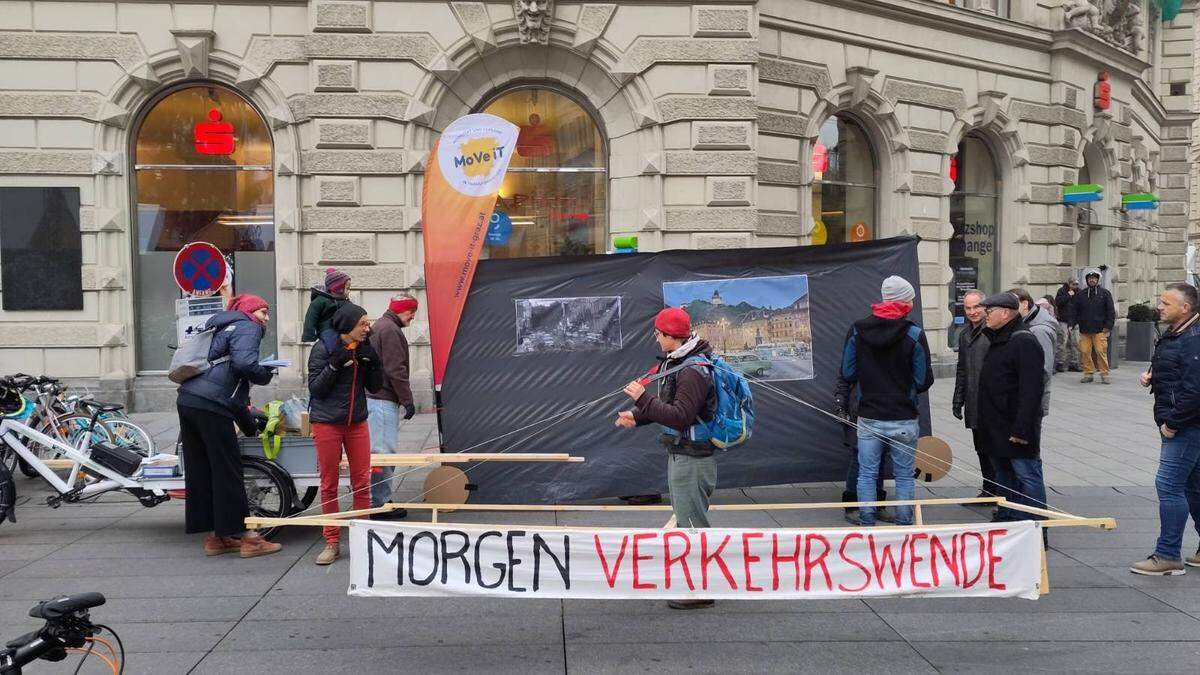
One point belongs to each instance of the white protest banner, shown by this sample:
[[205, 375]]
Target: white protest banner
[[988, 559]]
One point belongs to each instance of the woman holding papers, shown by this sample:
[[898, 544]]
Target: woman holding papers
[[209, 405]]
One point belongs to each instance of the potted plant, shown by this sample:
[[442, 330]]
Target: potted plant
[[1141, 332]]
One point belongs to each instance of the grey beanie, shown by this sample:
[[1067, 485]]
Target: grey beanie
[[896, 289]]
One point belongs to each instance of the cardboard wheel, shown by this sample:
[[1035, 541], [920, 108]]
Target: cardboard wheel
[[934, 458], [446, 485]]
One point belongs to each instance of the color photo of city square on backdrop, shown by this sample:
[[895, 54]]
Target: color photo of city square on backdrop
[[568, 324], [759, 325]]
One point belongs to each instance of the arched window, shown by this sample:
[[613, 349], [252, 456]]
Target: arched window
[[843, 192], [555, 191], [203, 169], [1090, 217], [974, 214]]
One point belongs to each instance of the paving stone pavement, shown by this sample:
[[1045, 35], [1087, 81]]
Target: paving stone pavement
[[179, 611]]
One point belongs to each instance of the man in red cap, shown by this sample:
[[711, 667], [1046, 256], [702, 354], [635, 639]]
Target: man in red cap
[[384, 406], [685, 397]]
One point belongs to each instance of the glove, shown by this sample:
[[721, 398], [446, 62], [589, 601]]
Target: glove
[[839, 407], [958, 412], [366, 354], [340, 356], [409, 411]]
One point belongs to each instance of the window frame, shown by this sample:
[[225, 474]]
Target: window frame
[[876, 172]]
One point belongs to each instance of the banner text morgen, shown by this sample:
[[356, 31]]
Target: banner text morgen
[[1002, 560]]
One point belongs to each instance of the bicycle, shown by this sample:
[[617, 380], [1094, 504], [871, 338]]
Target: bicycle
[[67, 629]]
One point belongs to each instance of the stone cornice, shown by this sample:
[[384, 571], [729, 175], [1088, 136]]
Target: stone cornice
[[1100, 53]]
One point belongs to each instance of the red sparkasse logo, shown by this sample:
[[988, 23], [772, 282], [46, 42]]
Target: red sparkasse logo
[[214, 137]]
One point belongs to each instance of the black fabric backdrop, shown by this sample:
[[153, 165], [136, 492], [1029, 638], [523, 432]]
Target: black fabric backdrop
[[490, 390]]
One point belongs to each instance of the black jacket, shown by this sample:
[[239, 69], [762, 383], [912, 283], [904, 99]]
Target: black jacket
[[1175, 381], [685, 397], [1094, 310], [225, 387], [972, 349], [1010, 393], [889, 360], [1064, 305], [338, 391]]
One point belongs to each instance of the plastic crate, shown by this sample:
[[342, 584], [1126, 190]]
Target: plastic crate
[[297, 454]]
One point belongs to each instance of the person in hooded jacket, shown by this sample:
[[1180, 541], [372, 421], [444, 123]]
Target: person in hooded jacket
[[685, 398], [324, 302], [1045, 328], [972, 348], [1011, 385], [1068, 344], [888, 357], [209, 406], [1094, 310], [342, 368]]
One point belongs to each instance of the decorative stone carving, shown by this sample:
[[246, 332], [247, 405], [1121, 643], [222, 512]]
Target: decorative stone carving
[[1118, 22], [193, 46], [1081, 14], [533, 20]]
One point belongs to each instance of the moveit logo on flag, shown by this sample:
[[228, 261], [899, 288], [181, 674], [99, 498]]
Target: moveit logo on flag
[[460, 193]]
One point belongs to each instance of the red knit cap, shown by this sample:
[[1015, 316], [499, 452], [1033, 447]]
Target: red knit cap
[[247, 303], [401, 305], [675, 322]]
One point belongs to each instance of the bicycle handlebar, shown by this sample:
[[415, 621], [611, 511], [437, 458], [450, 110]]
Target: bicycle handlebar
[[58, 608], [68, 624]]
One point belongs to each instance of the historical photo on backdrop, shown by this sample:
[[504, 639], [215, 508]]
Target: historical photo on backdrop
[[760, 325], [547, 325]]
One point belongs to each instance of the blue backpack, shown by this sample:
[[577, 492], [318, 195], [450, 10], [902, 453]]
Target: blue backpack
[[733, 418]]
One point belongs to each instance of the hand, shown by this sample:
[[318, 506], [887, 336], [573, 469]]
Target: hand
[[634, 390], [1167, 431], [409, 411], [366, 353], [958, 413], [625, 420], [341, 356], [1017, 441], [1145, 378]]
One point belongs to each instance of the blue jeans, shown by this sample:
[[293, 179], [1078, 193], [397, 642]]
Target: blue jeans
[[1178, 487], [901, 436], [383, 419], [1020, 482]]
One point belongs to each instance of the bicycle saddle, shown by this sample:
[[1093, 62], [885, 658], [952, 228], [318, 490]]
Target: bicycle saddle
[[102, 407]]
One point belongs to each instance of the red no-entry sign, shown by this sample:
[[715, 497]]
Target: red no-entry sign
[[199, 268]]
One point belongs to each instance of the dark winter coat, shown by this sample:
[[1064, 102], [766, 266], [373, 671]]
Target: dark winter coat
[[387, 337], [320, 311], [889, 360], [972, 348], [1010, 393], [1175, 377], [1064, 305], [338, 387], [224, 388], [1094, 310], [685, 397]]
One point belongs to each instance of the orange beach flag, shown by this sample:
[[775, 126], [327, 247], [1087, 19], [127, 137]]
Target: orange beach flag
[[462, 178]]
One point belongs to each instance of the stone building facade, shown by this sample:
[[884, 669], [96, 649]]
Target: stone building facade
[[725, 123]]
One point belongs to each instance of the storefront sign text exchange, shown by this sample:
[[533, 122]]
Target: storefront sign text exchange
[[1002, 560]]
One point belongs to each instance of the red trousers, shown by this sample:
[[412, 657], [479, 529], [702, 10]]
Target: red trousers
[[330, 440]]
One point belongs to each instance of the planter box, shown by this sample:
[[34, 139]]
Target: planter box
[[1139, 340]]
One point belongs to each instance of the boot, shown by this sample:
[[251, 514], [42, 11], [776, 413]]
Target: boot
[[214, 545], [254, 545], [1104, 379], [1086, 379], [329, 555]]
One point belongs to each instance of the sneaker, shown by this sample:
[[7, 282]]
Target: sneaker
[[851, 516], [214, 545], [329, 554], [1193, 560], [884, 515], [1155, 566], [1087, 378], [396, 514], [254, 545], [1104, 380], [690, 604]]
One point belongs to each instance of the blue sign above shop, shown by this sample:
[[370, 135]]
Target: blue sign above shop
[[499, 229]]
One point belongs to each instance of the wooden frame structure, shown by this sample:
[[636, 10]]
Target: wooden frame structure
[[1052, 518]]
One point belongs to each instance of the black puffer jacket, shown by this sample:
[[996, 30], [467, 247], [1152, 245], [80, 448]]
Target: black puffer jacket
[[338, 391], [225, 388], [1174, 351]]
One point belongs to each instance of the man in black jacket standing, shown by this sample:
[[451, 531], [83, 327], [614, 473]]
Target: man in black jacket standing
[[1067, 355], [342, 368], [972, 348], [1011, 386], [1096, 315]]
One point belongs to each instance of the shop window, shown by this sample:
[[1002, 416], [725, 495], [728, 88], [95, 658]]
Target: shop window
[[41, 254], [974, 214], [844, 183], [555, 190], [203, 172]]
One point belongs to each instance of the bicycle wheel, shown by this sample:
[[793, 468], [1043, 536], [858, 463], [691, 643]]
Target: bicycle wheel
[[128, 435], [8, 496], [269, 491], [72, 429]]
